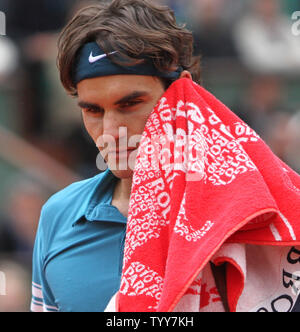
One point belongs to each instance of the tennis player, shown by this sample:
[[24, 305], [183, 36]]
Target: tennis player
[[117, 59], [217, 231]]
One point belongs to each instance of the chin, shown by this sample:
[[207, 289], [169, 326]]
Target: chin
[[122, 167], [122, 174]]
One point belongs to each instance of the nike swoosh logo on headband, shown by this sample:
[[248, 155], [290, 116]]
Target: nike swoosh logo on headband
[[93, 59]]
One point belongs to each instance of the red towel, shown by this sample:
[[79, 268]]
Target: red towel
[[202, 179]]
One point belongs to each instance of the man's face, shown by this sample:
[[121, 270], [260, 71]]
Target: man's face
[[115, 110]]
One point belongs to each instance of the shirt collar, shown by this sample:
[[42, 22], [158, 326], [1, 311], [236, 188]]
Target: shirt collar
[[99, 206]]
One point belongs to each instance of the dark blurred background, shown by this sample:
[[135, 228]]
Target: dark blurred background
[[250, 60]]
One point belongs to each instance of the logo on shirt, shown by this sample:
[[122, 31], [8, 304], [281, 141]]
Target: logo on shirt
[[93, 59]]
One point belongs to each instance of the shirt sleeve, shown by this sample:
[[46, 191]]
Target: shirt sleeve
[[42, 297]]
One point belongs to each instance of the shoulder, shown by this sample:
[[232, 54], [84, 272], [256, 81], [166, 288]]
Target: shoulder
[[70, 203], [75, 189]]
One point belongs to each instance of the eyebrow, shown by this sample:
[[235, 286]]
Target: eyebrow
[[133, 95]]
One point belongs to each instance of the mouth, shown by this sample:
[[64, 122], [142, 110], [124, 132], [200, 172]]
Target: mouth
[[120, 154], [121, 159], [122, 151]]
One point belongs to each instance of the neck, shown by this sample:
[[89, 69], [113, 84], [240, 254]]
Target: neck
[[123, 189], [121, 196]]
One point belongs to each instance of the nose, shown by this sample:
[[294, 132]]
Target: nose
[[114, 130], [111, 124]]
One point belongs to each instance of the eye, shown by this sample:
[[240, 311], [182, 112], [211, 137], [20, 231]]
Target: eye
[[92, 111], [131, 103]]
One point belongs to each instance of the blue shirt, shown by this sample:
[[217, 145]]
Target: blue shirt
[[78, 253]]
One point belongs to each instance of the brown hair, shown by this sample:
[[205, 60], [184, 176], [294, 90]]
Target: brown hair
[[136, 29]]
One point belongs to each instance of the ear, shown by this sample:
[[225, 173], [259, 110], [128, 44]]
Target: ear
[[186, 74]]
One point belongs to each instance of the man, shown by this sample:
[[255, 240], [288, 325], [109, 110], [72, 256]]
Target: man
[[188, 188], [79, 246]]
